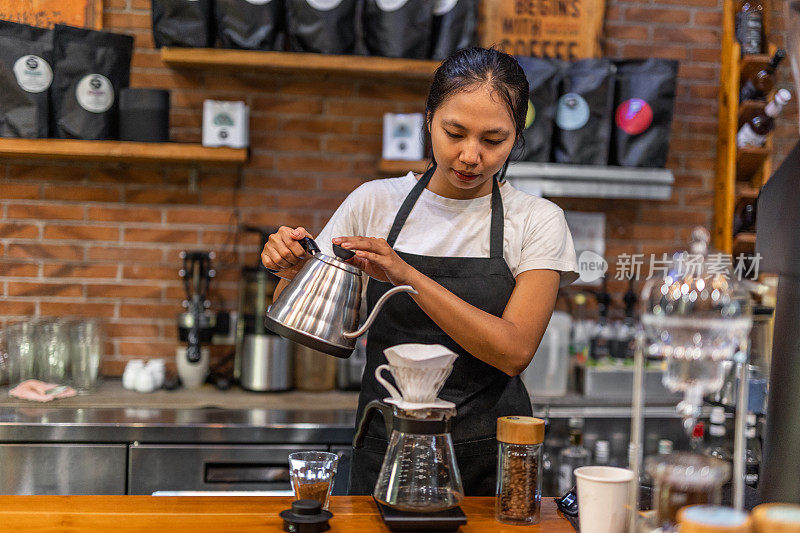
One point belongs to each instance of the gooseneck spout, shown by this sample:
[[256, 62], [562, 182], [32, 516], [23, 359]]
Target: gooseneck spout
[[382, 300]]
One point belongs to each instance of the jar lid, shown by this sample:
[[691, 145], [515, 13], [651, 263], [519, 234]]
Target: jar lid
[[777, 517], [712, 519], [520, 430], [306, 515]]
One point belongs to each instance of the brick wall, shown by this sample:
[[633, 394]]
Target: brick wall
[[103, 240]]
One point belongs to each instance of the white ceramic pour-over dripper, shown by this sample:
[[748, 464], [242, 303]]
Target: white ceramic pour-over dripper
[[420, 355], [419, 370]]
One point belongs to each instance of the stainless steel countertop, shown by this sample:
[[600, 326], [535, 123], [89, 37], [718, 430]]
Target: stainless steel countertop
[[209, 416], [113, 414], [207, 425]]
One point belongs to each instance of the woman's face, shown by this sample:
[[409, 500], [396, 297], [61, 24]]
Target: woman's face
[[472, 134]]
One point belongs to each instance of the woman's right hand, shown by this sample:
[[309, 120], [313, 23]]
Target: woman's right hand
[[283, 253]]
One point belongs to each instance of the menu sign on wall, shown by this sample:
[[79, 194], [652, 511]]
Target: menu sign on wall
[[45, 13], [563, 29]]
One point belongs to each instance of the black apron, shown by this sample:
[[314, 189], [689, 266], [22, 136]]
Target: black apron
[[481, 392]]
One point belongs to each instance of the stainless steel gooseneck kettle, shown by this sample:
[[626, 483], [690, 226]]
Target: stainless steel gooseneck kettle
[[319, 308]]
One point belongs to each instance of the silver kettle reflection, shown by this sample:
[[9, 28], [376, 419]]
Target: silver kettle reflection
[[320, 306]]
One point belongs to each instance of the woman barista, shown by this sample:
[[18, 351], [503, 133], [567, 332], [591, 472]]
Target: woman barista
[[485, 258]]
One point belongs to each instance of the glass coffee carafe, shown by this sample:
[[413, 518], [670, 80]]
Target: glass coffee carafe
[[419, 471]]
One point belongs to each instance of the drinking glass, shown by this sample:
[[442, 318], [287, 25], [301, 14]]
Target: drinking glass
[[85, 353], [4, 377], [312, 475], [52, 353], [21, 346]]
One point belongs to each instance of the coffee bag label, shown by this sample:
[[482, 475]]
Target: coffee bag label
[[324, 5], [95, 93], [442, 7], [572, 112], [33, 73], [390, 5], [530, 115], [634, 116]]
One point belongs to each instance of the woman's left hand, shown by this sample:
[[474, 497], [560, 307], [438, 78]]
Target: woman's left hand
[[376, 258]]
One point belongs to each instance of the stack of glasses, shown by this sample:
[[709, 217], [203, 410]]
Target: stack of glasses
[[55, 351]]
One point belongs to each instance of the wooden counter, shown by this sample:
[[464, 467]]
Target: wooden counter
[[89, 514]]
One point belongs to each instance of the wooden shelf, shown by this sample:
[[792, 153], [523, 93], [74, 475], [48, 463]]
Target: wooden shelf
[[572, 181], [749, 161], [389, 167], [120, 151], [743, 191], [744, 243], [740, 173], [249, 60], [747, 110], [750, 64]]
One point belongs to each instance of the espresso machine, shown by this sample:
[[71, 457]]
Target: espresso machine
[[263, 359]]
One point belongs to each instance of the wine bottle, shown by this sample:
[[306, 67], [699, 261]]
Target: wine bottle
[[754, 131], [750, 25], [744, 216], [761, 83]]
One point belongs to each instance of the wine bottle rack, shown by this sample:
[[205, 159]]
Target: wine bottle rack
[[740, 172]]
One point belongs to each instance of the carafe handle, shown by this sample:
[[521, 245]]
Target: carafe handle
[[369, 411], [392, 390], [382, 300]]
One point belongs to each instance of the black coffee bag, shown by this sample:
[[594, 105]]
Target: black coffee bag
[[398, 28], [249, 24], [321, 26], [454, 25], [544, 76], [643, 104], [90, 67], [583, 113], [26, 54], [187, 23]]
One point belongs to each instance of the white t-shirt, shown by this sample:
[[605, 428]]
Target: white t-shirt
[[535, 235]]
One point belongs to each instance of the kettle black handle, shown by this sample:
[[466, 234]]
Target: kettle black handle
[[369, 411], [309, 245]]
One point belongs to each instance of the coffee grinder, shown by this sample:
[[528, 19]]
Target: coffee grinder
[[196, 324], [263, 359]]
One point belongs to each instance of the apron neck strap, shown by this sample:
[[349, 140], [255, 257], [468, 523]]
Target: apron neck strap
[[495, 232]]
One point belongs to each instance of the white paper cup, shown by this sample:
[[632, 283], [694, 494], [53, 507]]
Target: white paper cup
[[603, 498]]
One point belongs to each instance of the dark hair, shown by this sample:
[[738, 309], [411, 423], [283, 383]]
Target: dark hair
[[469, 66]]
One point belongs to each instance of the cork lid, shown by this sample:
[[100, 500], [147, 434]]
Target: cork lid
[[520, 430], [775, 517], [713, 519]]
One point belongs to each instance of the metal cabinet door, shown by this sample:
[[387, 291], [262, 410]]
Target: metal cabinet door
[[63, 468], [179, 467]]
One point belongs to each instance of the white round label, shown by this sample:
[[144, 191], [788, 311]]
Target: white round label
[[258, 2], [323, 5], [33, 73], [572, 112], [95, 93], [390, 5], [440, 7]]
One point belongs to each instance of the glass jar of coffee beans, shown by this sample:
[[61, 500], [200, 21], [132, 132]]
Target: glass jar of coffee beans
[[519, 469]]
